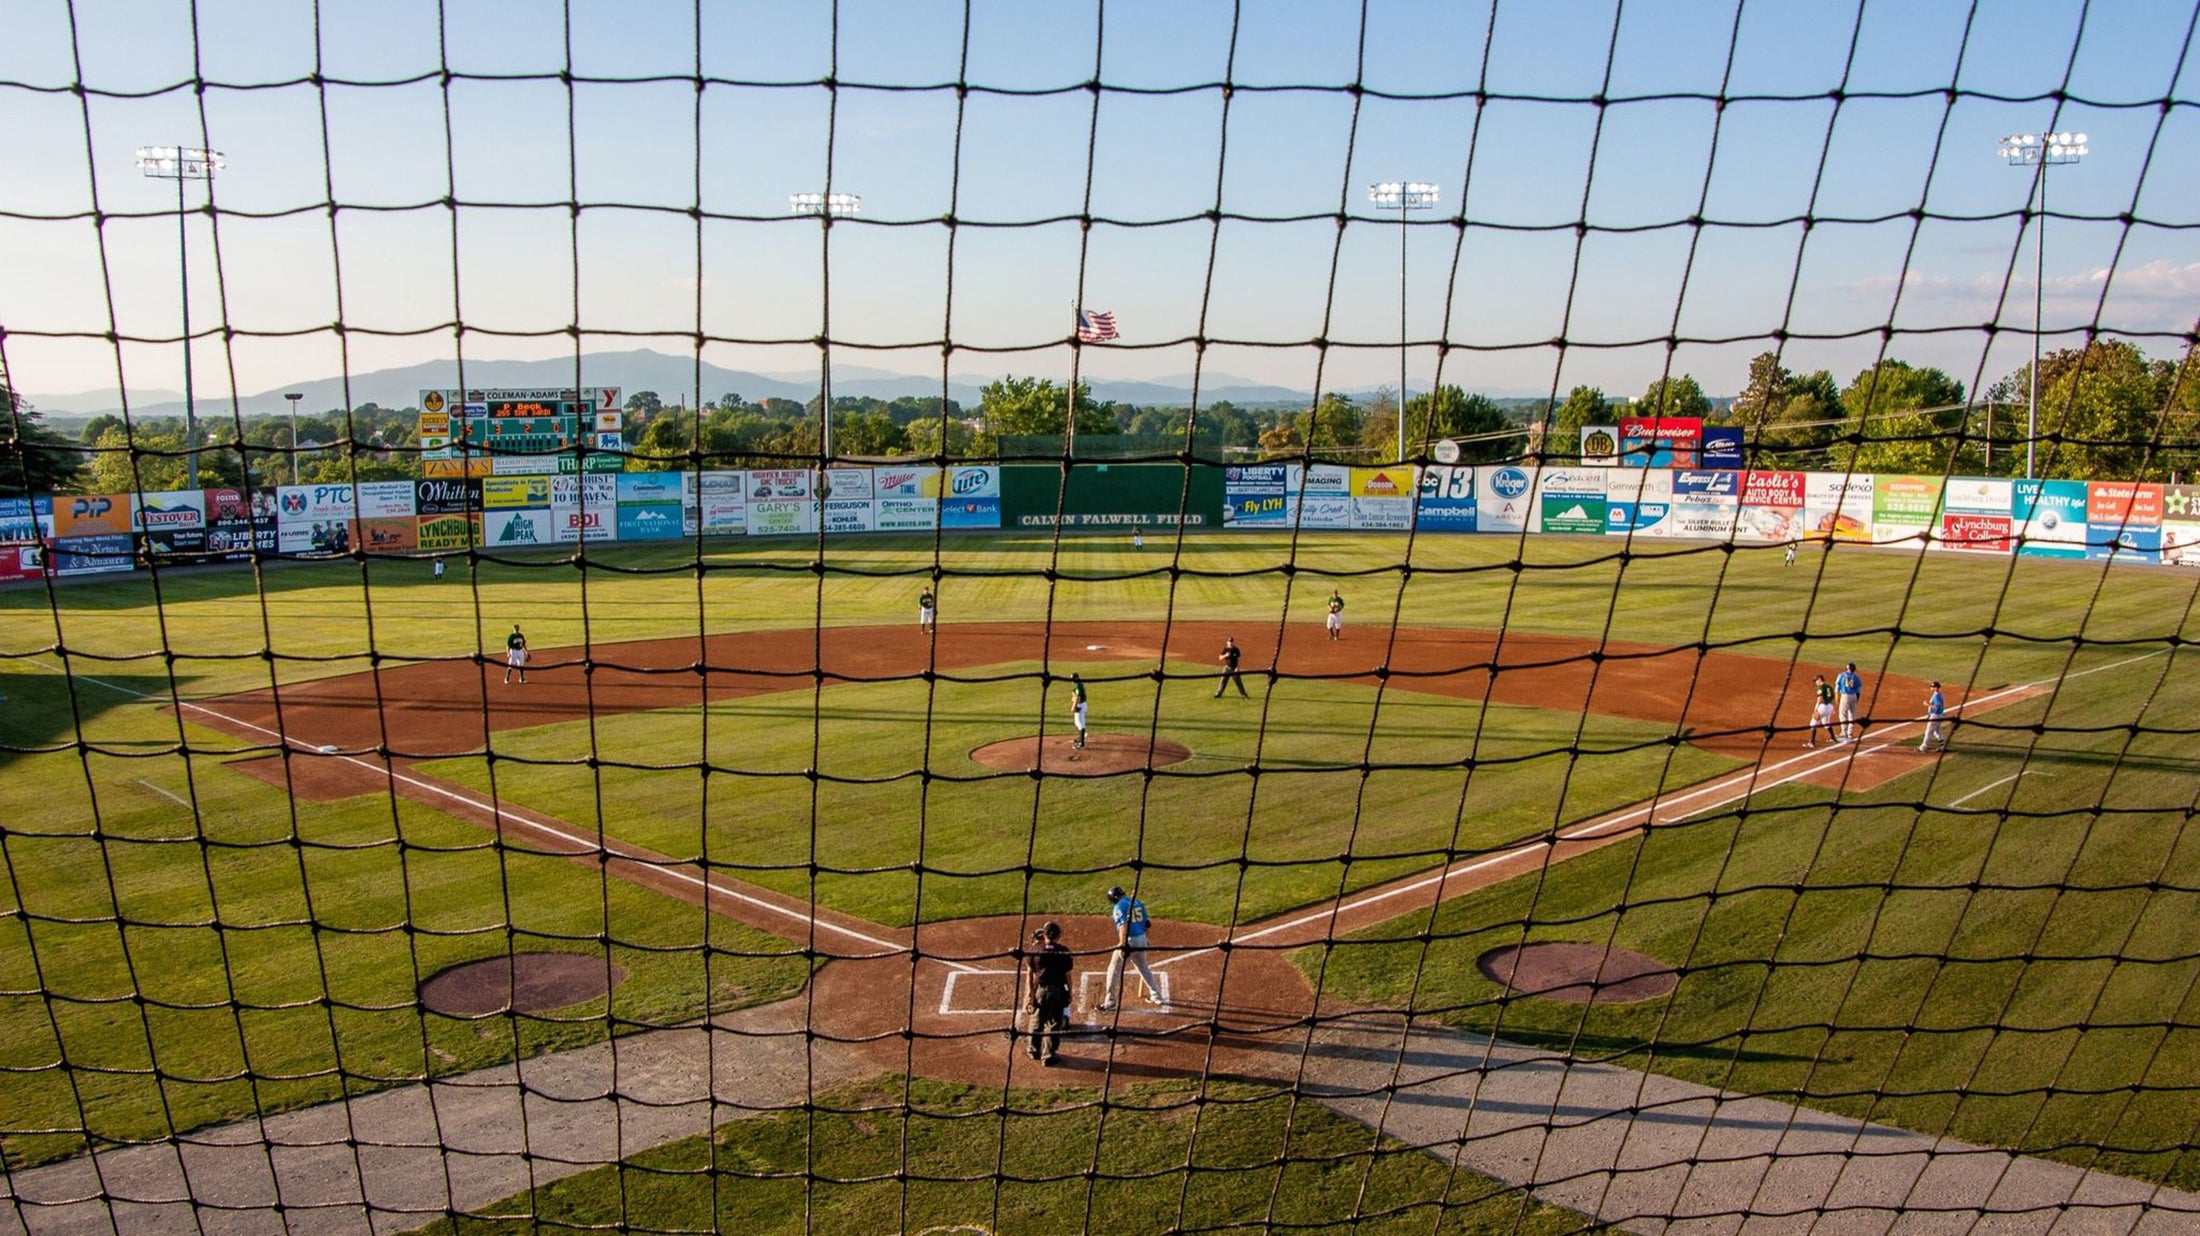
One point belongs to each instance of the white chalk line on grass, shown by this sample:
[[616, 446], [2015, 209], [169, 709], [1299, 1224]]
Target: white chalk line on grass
[[541, 824], [1749, 778], [170, 796]]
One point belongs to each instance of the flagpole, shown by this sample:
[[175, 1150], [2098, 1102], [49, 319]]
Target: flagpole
[[1076, 353]]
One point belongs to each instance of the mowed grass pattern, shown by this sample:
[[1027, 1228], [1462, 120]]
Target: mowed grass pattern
[[328, 914]]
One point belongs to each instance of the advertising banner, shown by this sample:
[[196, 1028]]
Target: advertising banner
[[446, 496], [517, 527], [2113, 505], [1504, 498], [515, 492], [722, 503], [1600, 446], [2132, 544], [1382, 498], [315, 519], [1838, 505], [779, 484], [584, 507], [103, 553], [25, 519], [1772, 489], [2181, 525], [1640, 500], [176, 510], [1447, 499], [1660, 442], [1975, 515], [1701, 520], [21, 562], [905, 482], [170, 544], [1722, 447], [649, 488], [1704, 487], [654, 522], [1324, 493], [2049, 518], [389, 535], [849, 505], [1905, 510], [438, 533], [848, 484], [783, 516], [1772, 508], [1256, 496], [78, 515], [971, 497], [385, 499], [1569, 500]]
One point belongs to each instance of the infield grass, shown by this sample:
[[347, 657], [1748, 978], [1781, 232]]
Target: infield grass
[[1164, 1157]]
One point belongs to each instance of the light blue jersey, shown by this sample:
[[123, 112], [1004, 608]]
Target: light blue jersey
[[1130, 913]]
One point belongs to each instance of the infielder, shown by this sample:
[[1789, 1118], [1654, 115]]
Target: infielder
[[1047, 971], [928, 614], [1130, 946], [1336, 615], [515, 655], [1936, 722], [1821, 709], [1077, 708], [1848, 693]]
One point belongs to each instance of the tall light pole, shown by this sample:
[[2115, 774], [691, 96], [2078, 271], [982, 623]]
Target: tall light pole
[[827, 207], [1403, 196], [2039, 151], [294, 397], [183, 164]]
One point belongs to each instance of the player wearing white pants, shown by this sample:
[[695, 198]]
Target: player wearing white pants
[[1130, 946], [1077, 708]]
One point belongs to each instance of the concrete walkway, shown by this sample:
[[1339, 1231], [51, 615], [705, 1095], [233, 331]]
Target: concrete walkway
[[1643, 1152]]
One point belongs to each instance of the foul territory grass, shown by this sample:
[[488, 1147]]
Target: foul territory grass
[[180, 946], [897, 791], [2027, 981], [1162, 1157]]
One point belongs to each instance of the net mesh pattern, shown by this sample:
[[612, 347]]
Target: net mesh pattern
[[1531, 898]]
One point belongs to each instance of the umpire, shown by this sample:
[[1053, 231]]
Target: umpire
[[1049, 968], [1229, 658]]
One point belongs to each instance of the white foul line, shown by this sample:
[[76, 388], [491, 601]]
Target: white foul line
[[163, 793], [1988, 786], [1747, 776], [498, 811]]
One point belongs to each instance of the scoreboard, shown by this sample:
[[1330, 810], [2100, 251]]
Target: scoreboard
[[521, 432]]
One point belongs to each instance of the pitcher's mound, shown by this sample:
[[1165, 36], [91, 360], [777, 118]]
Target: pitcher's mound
[[520, 983], [1578, 973], [1103, 754]]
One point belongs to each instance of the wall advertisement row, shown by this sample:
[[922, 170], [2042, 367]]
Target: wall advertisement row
[[2145, 523]]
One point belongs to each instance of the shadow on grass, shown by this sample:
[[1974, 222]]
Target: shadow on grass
[[37, 714]]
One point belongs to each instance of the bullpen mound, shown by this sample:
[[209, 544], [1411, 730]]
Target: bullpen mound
[[520, 983], [1057, 754], [1578, 973]]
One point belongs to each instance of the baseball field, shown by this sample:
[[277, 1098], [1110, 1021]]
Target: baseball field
[[247, 817]]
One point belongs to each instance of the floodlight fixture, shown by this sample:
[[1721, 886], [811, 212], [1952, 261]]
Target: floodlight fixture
[[1402, 196], [184, 164], [2036, 152]]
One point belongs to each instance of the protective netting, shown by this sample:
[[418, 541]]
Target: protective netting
[[517, 803]]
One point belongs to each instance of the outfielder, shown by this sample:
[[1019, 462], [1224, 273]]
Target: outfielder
[[1077, 708], [1821, 709], [1336, 614], [928, 614], [515, 655], [1130, 946], [1848, 693]]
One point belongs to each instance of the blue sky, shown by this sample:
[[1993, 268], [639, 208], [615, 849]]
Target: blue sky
[[1152, 153]]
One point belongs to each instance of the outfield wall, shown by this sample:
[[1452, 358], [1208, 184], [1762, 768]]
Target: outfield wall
[[85, 534]]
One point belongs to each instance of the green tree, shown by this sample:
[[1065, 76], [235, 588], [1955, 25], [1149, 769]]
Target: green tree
[[1902, 418], [868, 433], [33, 458], [1330, 425], [1031, 407], [1764, 393], [646, 403], [2107, 412], [1672, 397], [145, 461], [1585, 405], [1449, 412]]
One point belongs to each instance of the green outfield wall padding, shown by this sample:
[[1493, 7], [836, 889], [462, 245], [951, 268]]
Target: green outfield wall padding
[[1101, 495]]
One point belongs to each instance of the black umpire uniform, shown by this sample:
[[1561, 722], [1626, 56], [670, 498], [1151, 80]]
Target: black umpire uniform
[[1049, 965], [1229, 659]]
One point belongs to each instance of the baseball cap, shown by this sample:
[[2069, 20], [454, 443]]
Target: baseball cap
[[1051, 931], [1116, 893]]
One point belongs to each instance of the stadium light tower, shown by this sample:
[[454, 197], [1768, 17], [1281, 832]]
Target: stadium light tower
[[2039, 151], [294, 397], [184, 164], [827, 207], [1403, 196]]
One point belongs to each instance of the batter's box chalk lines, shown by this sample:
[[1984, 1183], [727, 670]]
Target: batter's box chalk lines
[[947, 992], [1087, 978]]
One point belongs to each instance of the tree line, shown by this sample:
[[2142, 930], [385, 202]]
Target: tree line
[[2105, 411]]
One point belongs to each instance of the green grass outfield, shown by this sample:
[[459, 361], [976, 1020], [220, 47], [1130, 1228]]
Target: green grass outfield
[[1166, 1157], [330, 913]]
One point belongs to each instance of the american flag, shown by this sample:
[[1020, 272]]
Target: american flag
[[1095, 327]]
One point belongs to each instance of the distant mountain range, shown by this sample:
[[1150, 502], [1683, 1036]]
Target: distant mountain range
[[643, 370], [639, 370]]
